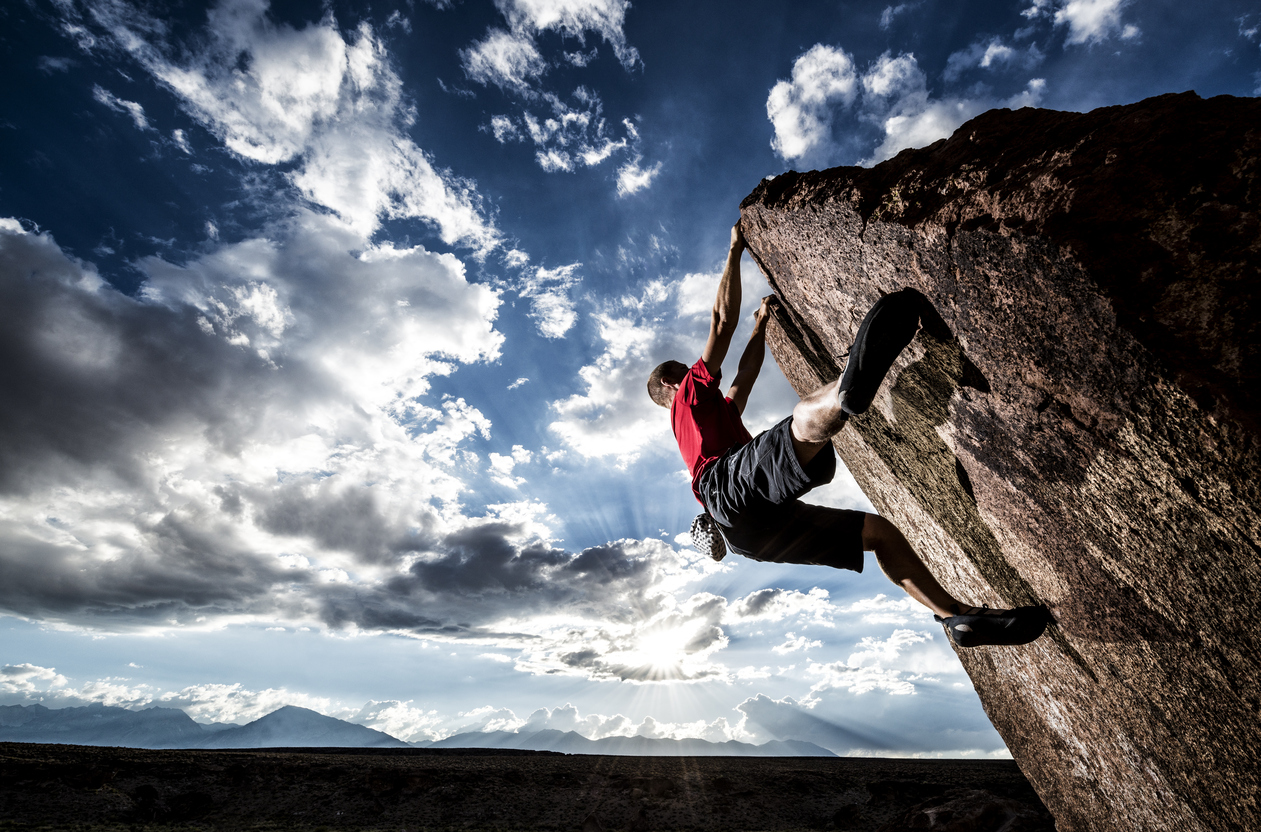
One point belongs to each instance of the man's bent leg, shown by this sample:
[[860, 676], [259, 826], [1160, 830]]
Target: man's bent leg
[[968, 626], [902, 566], [816, 419], [886, 330]]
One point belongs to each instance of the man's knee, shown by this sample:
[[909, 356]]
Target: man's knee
[[804, 448], [878, 531]]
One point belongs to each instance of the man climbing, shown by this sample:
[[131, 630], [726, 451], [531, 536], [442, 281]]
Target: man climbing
[[750, 486]]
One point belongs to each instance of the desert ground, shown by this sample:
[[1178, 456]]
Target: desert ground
[[65, 787]]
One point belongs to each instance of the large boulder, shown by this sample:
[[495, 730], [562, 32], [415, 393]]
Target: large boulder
[[1076, 424]]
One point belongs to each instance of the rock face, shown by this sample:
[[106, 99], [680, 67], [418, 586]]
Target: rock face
[[1076, 425]]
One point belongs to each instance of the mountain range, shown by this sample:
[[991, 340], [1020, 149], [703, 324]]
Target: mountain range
[[293, 727], [570, 742]]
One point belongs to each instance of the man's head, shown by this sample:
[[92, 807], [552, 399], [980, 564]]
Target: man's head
[[664, 381]]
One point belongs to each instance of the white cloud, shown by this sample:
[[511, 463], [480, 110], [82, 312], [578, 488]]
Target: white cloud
[[884, 665], [506, 59], [751, 673], [793, 643], [874, 652], [1030, 96], [504, 130], [1038, 9], [397, 21], [632, 178], [885, 610], [130, 108], [613, 416], [859, 680], [26, 677], [501, 466], [681, 641], [776, 604], [574, 18], [802, 109], [991, 54], [400, 719], [891, 12], [549, 291], [898, 100], [1093, 21], [566, 136], [890, 94], [275, 94], [260, 400], [248, 442]]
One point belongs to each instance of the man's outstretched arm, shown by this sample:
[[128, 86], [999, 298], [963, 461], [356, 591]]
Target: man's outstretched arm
[[751, 360], [726, 314]]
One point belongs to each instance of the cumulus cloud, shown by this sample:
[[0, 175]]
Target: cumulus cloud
[[1088, 21], [891, 94], [502, 466], [249, 440], [894, 665], [28, 678], [613, 417], [247, 428], [607, 420], [824, 81], [1093, 21], [882, 609], [682, 638], [275, 94], [794, 642]]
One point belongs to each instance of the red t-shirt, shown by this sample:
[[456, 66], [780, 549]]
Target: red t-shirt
[[706, 423]]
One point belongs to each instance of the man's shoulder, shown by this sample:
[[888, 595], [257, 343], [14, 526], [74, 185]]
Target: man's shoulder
[[702, 375]]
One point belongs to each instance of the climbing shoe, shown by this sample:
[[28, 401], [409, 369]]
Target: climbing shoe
[[884, 333], [986, 626]]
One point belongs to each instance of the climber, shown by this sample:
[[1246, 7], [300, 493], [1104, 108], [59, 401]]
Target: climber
[[750, 486]]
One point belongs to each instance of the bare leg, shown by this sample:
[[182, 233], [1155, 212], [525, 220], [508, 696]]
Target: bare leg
[[816, 419], [902, 566]]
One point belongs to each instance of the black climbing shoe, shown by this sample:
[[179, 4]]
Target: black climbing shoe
[[986, 626], [884, 333]]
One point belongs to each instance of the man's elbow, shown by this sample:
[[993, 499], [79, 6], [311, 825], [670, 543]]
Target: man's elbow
[[723, 325]]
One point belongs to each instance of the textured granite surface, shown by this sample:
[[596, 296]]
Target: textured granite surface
[[1075, 424]]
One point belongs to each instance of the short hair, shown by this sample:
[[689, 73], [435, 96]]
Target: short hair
[[664, 370]]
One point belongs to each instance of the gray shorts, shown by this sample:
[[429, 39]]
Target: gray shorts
[[752, 493]]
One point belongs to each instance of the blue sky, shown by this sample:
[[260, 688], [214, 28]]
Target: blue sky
[[324, 332]]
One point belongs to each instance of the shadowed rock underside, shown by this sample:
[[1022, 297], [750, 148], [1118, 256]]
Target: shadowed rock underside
[[1075, 424]]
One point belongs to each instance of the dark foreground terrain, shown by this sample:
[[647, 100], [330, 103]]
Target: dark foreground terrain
[[66, 787]]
